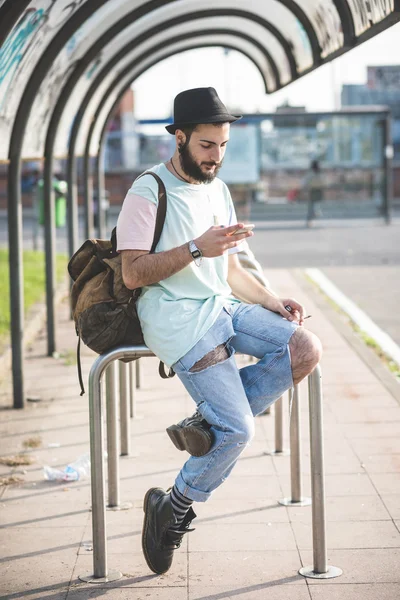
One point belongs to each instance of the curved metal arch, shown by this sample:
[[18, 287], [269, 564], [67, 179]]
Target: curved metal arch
[[188, 17], [121, 75], [169, 24], [299, 13], [346, 19]]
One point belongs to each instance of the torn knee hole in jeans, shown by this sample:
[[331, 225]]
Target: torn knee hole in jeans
[[217, 355]]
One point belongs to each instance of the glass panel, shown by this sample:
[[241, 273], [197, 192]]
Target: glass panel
[[349, 149]]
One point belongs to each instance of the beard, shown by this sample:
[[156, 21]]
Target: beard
[[192, 168]]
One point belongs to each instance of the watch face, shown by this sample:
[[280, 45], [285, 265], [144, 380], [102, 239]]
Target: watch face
[[196, 254]]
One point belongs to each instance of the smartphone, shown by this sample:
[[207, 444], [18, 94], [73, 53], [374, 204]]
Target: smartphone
[[244, 229]]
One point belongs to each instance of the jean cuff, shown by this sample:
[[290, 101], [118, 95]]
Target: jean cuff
[[189, 492]]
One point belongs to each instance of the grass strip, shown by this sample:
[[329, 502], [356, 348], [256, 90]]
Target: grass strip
[[34, 284]]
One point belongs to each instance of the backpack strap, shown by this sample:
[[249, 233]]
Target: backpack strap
[[160, 218]]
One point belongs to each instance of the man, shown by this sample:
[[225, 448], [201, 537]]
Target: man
[[313, 184], [190, 318]]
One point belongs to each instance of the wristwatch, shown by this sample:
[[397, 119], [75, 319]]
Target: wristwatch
[[196, 253]]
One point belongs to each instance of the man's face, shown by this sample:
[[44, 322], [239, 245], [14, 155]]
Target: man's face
[[202, 157]]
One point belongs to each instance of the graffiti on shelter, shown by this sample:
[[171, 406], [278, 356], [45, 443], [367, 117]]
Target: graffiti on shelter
[[367, 13], [15, 45]]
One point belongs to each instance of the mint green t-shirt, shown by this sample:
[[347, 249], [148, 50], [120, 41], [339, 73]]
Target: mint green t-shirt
[[178, 311]]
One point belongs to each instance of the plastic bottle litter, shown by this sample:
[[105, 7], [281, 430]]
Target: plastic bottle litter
[[72, 472]]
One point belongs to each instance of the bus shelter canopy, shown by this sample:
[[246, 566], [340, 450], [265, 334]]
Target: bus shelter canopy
[[90, 51]]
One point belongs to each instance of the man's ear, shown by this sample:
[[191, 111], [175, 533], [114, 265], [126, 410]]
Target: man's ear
[[180, 137]]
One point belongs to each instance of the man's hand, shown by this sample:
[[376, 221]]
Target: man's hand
[[216, 240], [297, 312]]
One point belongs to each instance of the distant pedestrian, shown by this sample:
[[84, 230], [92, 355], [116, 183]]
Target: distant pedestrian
[[313, 185]]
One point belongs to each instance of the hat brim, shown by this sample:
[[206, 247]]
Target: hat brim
[[217, 119]]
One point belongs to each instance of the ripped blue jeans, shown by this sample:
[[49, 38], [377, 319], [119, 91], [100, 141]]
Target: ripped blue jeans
[[229, 398]]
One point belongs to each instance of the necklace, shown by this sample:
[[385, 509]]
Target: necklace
[[180, 176]]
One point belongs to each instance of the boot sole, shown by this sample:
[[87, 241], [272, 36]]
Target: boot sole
[[196, 442], [145, 526]]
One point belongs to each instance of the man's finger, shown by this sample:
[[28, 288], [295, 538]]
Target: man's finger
[[229, 230]]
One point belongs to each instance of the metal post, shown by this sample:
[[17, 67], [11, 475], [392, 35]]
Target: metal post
[[320, 569], [101, 573], [279, 449], [15, 245], [388, 168], [296, 498], [114, 500], [112, 436], [132, 395], [88, 195], [137, 368], [72, 205], [100, 186], [124, 409], [49, 246]]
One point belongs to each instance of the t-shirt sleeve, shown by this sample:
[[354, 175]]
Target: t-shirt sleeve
[[137, 219]]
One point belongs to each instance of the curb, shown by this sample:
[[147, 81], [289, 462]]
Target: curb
[[360, 318], [367, 354]]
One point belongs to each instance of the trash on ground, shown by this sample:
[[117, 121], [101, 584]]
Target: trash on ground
[[16, 461], [54, 445], [33, 442], [10, 480], [79, 469], [34, 399]]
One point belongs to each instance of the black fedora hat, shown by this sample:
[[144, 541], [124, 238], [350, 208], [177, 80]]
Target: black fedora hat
[[198, 106]]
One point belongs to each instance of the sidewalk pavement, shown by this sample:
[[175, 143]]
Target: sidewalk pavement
[[246, 546]]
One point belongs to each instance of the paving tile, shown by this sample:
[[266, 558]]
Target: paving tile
[[371, 430], [37, 576], [345, 508], [254, 510], [379, 591], [242, 537], [382, 463], [386, 483], [270, 589], [360, 566], [345, 413], [353, 392], [134, 568], [392, 503], [37, 515], [246, 487], [355, 534], [25, 543], [368, 447], [357, 484], [210, 568], [124, 592]]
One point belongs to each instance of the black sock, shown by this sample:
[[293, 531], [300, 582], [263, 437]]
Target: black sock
[[180, 506]]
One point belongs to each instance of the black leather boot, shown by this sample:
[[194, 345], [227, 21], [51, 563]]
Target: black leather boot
[[192, 434], [158, 540]]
